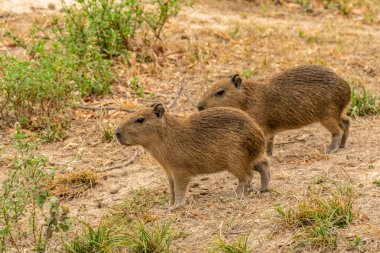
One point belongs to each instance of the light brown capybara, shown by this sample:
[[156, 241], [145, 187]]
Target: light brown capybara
[[292, 99], [211, 141]]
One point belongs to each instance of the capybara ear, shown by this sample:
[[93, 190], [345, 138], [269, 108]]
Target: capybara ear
[[236, 80], [158, 109]]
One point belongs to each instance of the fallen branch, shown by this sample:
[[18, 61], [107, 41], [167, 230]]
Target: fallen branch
[[124, 164], [103, 108]]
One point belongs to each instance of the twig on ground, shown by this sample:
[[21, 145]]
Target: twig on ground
[[102, 108], [126, 163], [288, 142], [346, 174], [179, 93]]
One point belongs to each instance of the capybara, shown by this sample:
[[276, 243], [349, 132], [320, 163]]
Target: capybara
[[211, 141], [292, 99]]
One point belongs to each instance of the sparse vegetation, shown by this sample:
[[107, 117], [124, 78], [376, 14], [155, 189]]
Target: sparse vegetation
[[358, 243], [363, 103], [24, 199], [239, 246], [154, 239], [376, 182], [35, 92], [102, 239], [137, 207], [319, 214]]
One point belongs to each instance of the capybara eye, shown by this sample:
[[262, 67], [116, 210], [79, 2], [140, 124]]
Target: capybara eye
[[140, 120], [219, 93]]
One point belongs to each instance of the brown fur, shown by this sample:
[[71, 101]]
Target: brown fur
[[215, 140], [292, 99]]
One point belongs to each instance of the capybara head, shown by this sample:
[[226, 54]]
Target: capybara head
[[225, 92], [141, 127]]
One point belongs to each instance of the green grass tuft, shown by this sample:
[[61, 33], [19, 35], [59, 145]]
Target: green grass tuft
[[154, 239], [363, 103], [239, 246], [317, 216], [101, 239]]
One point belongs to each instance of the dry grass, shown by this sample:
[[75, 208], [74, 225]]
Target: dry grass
[[74, 183], [317, 216]]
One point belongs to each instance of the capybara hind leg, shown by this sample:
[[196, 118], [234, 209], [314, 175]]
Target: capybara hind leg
[[263, 168], [180, 186], [244, 185], [335, 127], [269, 145], [346, 129]]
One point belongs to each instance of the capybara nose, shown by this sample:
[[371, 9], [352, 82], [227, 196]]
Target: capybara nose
[[201, 106], [118, 133]]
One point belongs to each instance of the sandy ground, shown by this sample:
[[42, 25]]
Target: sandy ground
[[30, 6], [213, 39]]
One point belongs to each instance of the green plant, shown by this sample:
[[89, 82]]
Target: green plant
[[155, 239], [112, 25], [305, 4], [165, 9], [357, 244], [136, 207], [139, 90], [239, 246], [335, 209], [319, 214], [103, 239], [363, 103], [247, 73], [23, 197], [19, 42], [376, 182], [108, 134], [106, 24], [319, 234]]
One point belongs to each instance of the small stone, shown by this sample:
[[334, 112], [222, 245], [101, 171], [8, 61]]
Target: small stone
[[114, 189], [204, 178], [51, 6]]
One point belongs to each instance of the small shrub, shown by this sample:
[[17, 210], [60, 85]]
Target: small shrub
[[102, 239], [363, 103], [36, 92], [154, 239], [376, 183], [112, 25], [239, 246], [25, 206]]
